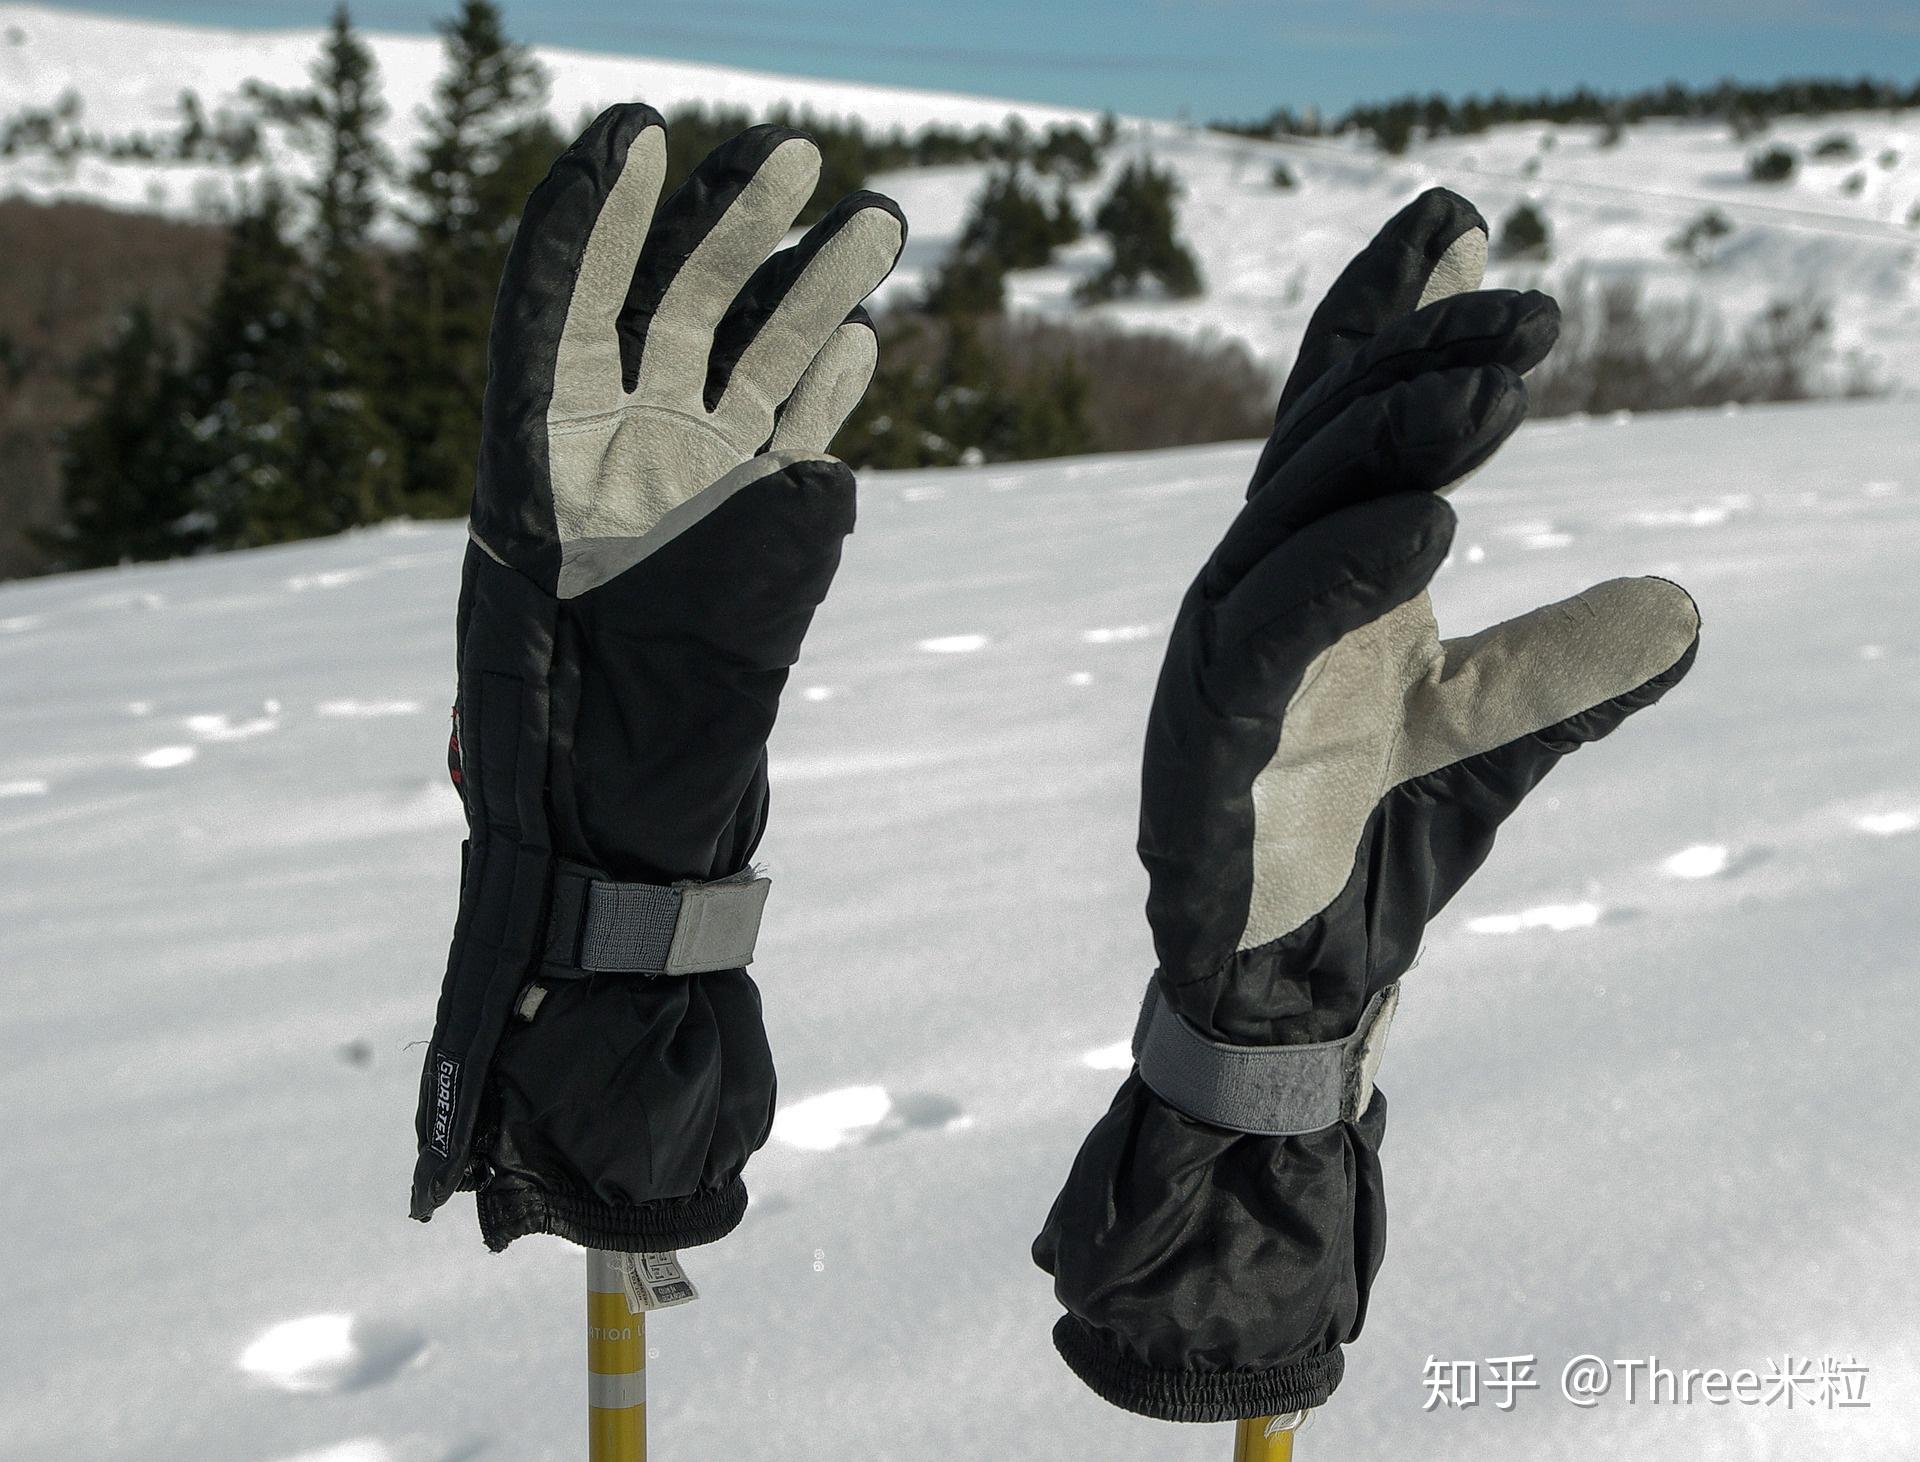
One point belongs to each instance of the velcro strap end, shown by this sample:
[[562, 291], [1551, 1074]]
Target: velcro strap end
[[599, 927], [1270, 1091]]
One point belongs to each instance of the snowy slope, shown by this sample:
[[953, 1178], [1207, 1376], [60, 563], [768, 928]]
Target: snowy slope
[[1652, 1081], [1266, 254]]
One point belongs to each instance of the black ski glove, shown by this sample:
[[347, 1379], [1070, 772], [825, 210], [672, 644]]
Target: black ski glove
[[655, 521], [1322, 773]]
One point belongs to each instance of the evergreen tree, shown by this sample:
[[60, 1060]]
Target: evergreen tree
[[967, 283], [125, 469], [1140, 221], [1775, 165], [242, 478], [1524, 235], [1011, 223], [351, 457], [486, 145], [1065, 225]]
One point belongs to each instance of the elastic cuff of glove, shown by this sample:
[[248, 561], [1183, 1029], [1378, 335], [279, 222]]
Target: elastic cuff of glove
[[1193, 1395], [509, 1211]]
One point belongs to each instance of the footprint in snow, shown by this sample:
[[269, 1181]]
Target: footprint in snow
[[1888, 824], [374, 1449], [921, 1111], [954, 644], [226, 728], [1706, 515], [366, 710], [1712, 860], [329, 579], [1555, 918], [360, 1449], [862, 1116], [128, 599], [1537, 534], [1117, 1057], [328, 1354], [1702, 860]]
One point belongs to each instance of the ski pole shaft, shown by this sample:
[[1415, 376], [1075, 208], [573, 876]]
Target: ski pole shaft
[[616, 1366], [1265, 1438]]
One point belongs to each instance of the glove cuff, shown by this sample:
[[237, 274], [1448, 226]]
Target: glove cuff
[[510, 1210], [1126, 1382]]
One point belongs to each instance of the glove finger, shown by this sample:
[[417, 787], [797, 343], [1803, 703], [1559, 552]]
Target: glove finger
[[1419, 435], [793, 305], [553, 346], [1334, 576], [706, 241], [1551, 667], [830, 389], [1484, 327], [1434, 247]]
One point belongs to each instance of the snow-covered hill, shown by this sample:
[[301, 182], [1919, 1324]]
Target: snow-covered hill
[[1653, 1097], [1843, 231]]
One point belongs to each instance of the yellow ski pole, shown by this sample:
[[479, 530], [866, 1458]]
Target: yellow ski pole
[[1266, 1438], [616, 1365]]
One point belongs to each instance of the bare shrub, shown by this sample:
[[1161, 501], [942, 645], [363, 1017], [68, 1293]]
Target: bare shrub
[[1151, 389], [999, 389], [1618, 352]]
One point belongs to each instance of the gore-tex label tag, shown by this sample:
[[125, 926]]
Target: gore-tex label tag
[[655, 1282], [446, 1096]]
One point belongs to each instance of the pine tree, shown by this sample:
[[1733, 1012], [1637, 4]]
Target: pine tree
[[1140, 220], [486, 145], [1524, 235], [242, 484], [350, 459], [967, 283], [125, 468]]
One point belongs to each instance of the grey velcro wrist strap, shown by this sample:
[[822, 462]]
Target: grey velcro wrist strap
[[599, 927], [1272, 1091]]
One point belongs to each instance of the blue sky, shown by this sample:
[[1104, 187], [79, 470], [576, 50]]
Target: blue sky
[[1206, 58]]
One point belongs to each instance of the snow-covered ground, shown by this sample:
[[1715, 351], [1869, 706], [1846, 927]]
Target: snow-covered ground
[[1652, 1081], [1842, 231]]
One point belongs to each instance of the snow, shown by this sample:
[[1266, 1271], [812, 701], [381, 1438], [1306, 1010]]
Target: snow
[[1702, 860], [1558, 918], [1680, 1127], [1266, 253]]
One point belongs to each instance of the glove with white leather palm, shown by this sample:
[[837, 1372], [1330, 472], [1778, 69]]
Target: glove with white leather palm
[[1322, 774], [655, 521]]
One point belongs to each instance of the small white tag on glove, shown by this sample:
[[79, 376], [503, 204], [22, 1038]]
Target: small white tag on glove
[[655, 1282]]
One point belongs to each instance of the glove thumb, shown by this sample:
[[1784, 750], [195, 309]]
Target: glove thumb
[[1549, 667]]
